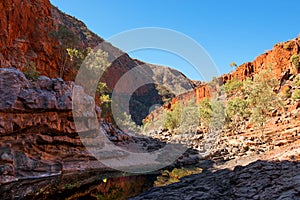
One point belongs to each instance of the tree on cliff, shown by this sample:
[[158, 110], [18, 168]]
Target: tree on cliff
[[261, 98], [233, 64], [67, 39], [252, 98]]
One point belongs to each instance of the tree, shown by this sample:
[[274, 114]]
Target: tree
[[253, 99], [173, 117], [237, 105], [95, 63], [67, 39], [233, 64], [295, 62], [205, 111], [189, 117], [76, 57], [233, 87], [237, 111], [126, 124], [217, 114], [261, 98]]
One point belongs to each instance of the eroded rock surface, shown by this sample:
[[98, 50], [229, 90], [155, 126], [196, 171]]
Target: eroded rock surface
[[38, 134], [258, 180]]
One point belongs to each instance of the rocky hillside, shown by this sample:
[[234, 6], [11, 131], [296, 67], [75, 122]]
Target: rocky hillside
[[278, 60], [28, 37], [247, 163]]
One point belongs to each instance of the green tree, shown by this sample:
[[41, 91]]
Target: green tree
[[124, 121], [205, 111], [173, 117], [212, 113], [237, 105], [189, 117], [261, 98], [67, 39], [76, 57], [217, 114], [233, 87], [295, 62], [233, 64], [237, 111]]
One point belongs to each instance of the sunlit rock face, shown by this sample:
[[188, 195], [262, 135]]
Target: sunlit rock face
[[25, 27], [278, 60]]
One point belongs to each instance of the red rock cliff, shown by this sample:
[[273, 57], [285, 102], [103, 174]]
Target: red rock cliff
[[25, 27], [26, 36], [277, 59]]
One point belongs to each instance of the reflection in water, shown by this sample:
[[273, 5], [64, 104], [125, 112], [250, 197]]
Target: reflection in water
[[91, 185]]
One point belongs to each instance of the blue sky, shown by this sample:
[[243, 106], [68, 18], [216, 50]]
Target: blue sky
[[231, 30]]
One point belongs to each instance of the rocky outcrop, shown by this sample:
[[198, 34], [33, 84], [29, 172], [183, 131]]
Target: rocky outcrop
[[38, 135], [258, 180], [277, 59]]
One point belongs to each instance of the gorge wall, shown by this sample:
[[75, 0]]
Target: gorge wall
[[27, 36], [38, 135], [25, 27], [278, 60]]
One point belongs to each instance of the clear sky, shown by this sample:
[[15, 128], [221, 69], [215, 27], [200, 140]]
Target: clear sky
[[231, 30]]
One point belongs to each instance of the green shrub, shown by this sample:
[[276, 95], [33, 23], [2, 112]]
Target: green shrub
[[217, 114], [287, 92], [295, 61], [126, 124], [261, 98], [30, 72], [233, 64], [232, 86], [67, 40], [296, 94], [288, 45], [297, 81], [76, 57], [205, 111], [190, 117], [237, 110], [173, 117]]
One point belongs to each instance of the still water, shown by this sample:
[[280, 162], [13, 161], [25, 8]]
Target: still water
[[88, 185]]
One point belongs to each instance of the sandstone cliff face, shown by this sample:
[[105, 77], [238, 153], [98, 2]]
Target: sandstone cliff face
[[38, 136], [278, 59], [25, 27]]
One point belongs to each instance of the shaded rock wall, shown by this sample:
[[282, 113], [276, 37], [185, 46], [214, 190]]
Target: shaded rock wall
[[38, 135]]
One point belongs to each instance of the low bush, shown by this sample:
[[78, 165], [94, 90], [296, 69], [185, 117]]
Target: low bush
[[30, 72], [296, 94]]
